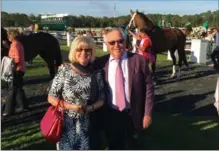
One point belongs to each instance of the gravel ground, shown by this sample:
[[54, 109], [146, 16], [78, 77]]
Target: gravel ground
[[193, 94]]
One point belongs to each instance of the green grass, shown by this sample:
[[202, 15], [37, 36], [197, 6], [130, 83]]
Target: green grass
[[166, 132], [38, 68]]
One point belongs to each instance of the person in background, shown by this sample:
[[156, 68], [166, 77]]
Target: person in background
[[103, 33], [209, 36], [136, 39], [36, 28], [80, 89], [205, 26], [215, 53], [17, 93], [159, 24], [145, 49], [129, 99]]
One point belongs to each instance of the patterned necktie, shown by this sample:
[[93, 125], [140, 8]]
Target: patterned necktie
[[120, 92]]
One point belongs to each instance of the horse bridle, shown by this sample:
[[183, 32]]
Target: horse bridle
[[132, 20]]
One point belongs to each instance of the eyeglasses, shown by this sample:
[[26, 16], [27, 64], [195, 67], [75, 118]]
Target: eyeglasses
[[87, 50], [113, 42]]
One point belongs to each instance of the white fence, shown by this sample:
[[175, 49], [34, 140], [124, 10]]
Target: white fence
[[65, 37]]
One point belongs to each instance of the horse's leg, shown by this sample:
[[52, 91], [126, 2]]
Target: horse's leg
[[182, 58], [179, 64], [50, 64], [154, 68], [172, 54]]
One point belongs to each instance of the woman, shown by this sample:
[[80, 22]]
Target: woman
[[17, 93], [80, 90]]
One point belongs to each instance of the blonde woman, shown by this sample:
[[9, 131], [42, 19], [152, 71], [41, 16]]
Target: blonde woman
[[80, 89], [17, 93]]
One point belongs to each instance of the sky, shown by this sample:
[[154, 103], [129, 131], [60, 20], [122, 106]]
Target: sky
[[109, 8]]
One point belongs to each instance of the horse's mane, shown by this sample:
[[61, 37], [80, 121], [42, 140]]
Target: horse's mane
[[145, 18]]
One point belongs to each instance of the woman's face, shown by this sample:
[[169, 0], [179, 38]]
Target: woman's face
[[84, 55]]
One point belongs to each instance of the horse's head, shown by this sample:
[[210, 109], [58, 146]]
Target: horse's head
[[139, 21]]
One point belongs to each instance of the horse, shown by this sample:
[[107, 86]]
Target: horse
[[163, 39], [5, 43], [43, 44]]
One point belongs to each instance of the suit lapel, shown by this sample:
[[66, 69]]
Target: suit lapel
[[131, 67], [106, 67]]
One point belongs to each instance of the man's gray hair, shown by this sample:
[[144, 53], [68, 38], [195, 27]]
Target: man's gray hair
[[109, 30]]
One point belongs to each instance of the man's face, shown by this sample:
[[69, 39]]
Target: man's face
[[115, 43]]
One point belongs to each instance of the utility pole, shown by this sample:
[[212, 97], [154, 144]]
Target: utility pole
[[217, 21], [114, 9]]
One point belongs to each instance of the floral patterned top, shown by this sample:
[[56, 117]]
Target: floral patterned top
[[75, 88]]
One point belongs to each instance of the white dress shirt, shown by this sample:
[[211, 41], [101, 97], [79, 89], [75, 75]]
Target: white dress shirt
[[111, 79], [216, 96]]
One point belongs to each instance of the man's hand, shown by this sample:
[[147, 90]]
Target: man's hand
[[146, 121]]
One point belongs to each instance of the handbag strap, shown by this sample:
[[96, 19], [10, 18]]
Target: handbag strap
[[58, 105], [60, 111]]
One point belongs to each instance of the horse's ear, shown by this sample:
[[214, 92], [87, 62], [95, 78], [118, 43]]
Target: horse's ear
[[137, 11], [131, 12]]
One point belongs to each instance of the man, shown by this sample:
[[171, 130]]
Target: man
[[130, 92], [215, 53]]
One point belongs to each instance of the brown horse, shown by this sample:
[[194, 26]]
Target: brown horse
[[163, 39]]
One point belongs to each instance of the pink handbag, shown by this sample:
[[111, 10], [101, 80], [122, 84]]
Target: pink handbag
[[51, 123]]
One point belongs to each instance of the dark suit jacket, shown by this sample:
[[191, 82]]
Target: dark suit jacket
[[140, 85]]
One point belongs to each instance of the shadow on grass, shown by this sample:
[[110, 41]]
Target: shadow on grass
[[37, 79], [44, 145], [34, 115], [185, 105], [23, 144], [181, 133], [21, 133], [196, 75]]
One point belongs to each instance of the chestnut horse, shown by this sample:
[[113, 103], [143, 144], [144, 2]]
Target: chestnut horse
[[43, 44], [163, 39]]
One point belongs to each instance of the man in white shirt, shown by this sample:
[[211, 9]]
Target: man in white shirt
[[130, 93]]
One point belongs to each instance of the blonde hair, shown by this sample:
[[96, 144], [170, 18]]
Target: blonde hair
[[78, 42], [13, 33]]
